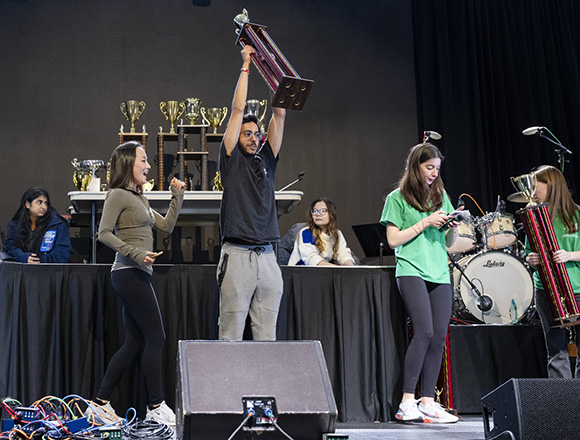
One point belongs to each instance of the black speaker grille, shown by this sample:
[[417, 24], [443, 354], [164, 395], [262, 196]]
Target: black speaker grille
[[534, 409], [550, 408]]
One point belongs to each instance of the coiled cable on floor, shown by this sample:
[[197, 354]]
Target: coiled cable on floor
[[148, 429]]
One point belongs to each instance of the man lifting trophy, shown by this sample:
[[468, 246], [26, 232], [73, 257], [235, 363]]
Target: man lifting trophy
[[289, 89]]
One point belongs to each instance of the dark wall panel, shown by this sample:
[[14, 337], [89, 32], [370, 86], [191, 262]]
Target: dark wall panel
[[67, 66]]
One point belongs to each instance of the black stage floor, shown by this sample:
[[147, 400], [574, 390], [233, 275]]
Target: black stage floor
[[467, 428]]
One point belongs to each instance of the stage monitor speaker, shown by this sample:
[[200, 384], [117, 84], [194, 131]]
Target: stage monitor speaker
[[532, 409], [214, 376]]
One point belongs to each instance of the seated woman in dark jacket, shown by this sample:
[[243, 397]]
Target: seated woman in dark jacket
[[37, 233]]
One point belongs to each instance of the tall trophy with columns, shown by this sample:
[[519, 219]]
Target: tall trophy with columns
[[290, 90], [540, 234]]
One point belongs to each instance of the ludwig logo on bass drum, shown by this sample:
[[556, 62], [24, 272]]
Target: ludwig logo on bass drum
[[494, 263]]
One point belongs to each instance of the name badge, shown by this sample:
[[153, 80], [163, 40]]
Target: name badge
[[48, 241]]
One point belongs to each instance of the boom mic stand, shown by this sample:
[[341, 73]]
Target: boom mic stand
[[300, 176], [561, 150], [484, 302]]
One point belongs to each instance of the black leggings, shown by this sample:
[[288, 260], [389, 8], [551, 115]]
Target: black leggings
[[144, 334], [429, 307]]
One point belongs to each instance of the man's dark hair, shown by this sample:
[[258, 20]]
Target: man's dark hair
[[249, 117]]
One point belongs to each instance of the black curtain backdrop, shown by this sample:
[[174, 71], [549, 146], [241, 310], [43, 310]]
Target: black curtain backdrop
[[67, 65], [485, 71], [61, 324]]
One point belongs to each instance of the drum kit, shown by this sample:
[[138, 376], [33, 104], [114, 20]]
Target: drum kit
[[491, 282]]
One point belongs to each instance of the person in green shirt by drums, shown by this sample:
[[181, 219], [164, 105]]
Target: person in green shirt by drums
[[565, 215], [419, 218]]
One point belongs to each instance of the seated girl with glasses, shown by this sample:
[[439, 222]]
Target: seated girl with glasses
[[321, 243]]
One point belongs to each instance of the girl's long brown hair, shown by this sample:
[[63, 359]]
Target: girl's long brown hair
[[558, 196], [332, 225], [423, 197], [122, 162]]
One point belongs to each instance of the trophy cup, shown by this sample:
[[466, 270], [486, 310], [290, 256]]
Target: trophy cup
[[253, 107], [84, 174], [132, 110], [192, 109], [172, 111], [290, 90], [214, 116], [526, 186]]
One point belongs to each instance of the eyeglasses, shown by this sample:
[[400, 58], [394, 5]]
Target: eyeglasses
[[248, 134], [320, 211]]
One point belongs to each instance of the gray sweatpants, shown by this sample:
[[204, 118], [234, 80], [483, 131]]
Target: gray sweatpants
[[249, 280]]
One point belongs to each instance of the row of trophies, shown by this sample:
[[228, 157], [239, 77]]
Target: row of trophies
[[289, 91], [192, 110]]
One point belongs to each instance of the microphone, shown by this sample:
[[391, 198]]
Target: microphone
[[532, 130], [431, 135], [484, 302], [300, 176], [461, 215]]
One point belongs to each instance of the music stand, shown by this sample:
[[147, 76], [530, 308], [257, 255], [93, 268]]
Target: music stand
[[373, 240]]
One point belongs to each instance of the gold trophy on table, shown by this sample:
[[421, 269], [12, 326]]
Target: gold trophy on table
[[85, 172], [192, 109], [132, 110], [214, 116], [172, 111]]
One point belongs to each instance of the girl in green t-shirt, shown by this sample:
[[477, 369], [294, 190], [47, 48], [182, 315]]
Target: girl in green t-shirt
[[565, 215], [419, 228]]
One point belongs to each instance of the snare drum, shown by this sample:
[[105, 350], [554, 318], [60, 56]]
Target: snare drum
[[500, 276], [465, 240], [501, 232]]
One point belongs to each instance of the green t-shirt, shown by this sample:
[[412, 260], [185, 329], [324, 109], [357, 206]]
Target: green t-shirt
[[569, 242], [424, 256]]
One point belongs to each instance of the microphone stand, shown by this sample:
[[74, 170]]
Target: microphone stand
[[300, 176], [484, 302], [560, 151]]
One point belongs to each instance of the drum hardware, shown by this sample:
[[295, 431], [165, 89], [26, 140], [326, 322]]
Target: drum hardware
[[495, 230], [484, 302]]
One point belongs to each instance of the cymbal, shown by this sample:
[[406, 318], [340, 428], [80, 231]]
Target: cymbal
[[517, 198]]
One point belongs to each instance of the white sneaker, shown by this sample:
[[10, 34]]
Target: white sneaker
[[162, 414], [434, 413], [101, 414], [408, 412]]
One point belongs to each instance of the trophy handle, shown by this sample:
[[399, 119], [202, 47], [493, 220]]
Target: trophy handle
[[225, 110], [182, 106], [163, 108], [515, 183], [202, 111], [263, 103], [141, 108], [124, 110]]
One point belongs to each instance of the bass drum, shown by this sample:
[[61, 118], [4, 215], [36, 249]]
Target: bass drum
[[501, 277]]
